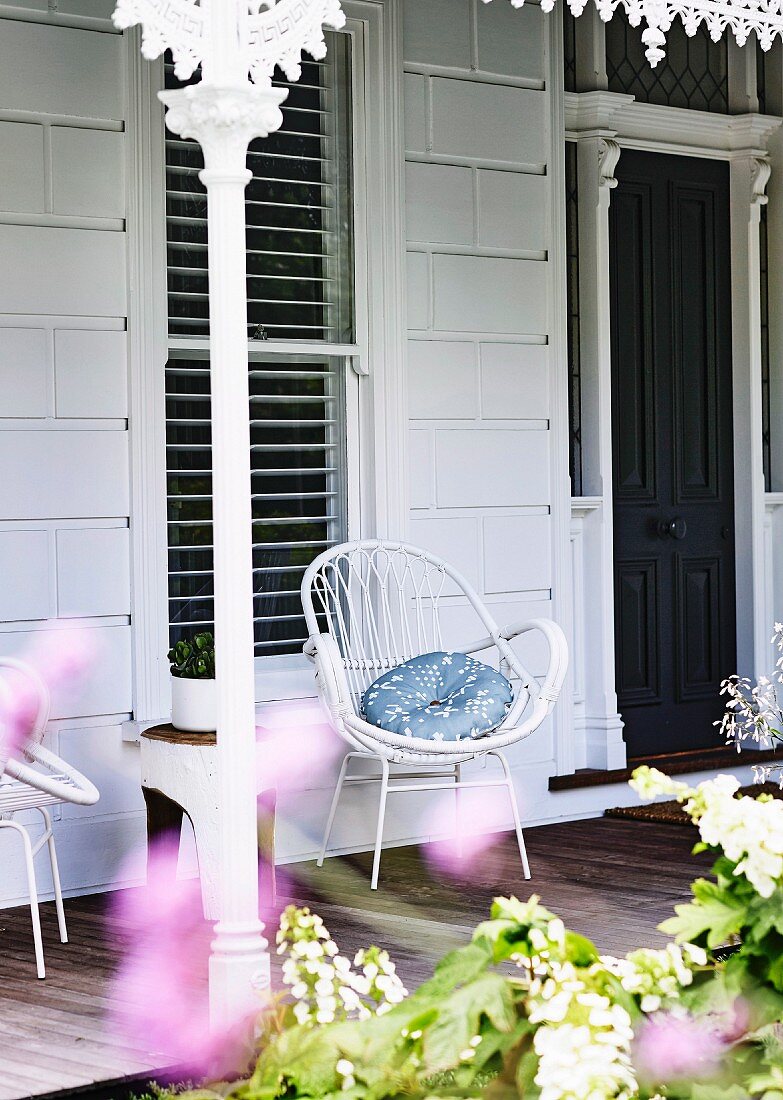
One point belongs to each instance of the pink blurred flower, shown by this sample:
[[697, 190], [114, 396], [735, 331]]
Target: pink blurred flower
[[61, 655], [161, 993], [295, 745], [670, 1047], [18, 711], [459, 841]]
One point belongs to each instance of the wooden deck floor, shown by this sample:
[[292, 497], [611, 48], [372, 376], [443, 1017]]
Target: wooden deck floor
[[612, 880]]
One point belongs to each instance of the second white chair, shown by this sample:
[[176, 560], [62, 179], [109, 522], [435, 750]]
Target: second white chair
[[44, 780]]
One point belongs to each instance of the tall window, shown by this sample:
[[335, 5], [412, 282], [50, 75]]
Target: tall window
[[766, 424], [300, 283], [572, 286]]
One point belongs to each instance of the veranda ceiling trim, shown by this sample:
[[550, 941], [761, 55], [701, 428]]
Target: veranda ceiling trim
[[276, 32], [764, 17]]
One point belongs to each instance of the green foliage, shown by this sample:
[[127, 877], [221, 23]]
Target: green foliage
[[529, 1010], [194, 659], [713, 917]]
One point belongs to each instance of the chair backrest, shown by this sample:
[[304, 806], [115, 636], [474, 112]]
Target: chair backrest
[[381, 602], [25, 704]]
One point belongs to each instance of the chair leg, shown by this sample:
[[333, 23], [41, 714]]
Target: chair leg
[[376, 863], [515, 811], [58, 893], [458, 810], [333, 810], [33, 892]]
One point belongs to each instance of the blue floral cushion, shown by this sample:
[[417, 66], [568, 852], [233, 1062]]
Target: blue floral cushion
[[440, 697]]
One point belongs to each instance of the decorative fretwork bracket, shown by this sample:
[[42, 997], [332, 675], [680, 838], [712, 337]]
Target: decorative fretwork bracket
[[272, 33], [760, 171], [608, 155], [764, 18]]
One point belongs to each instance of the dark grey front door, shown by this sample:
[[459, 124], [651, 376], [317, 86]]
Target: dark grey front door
[[673, 442]]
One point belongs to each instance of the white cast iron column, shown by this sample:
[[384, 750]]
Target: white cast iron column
[[224, 114], [750, 172], [591, 116]]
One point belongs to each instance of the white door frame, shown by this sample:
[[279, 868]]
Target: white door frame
[[603, 124]]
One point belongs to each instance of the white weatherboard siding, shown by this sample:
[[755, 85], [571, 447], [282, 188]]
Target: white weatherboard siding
[[64, 490], [480, 355]]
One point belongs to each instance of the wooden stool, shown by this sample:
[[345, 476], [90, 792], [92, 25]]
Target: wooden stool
[[179, 778]]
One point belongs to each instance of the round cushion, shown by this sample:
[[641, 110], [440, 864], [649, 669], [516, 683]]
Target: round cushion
[[439, 697]]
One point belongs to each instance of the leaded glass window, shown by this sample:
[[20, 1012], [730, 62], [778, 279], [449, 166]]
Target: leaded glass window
[[569, 50], [766, 429], [693, 74], [572, 276]]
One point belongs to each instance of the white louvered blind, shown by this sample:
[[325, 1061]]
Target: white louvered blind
[[299, 287]]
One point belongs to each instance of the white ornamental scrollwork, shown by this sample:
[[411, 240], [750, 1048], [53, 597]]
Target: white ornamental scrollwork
[[278, 35], [176, 25], [608, 156], [760, 171], [762, 17], [274, 33]]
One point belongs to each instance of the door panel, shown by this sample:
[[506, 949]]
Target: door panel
[[637, 593], [675, 629]]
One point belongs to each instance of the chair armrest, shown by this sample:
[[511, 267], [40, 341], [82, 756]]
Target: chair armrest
[[82, 793], [330, 676], [558, 653], [479, 645]]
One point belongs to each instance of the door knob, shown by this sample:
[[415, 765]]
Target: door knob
[[675, 528]]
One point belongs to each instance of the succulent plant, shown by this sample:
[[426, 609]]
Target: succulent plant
[[194, 659]]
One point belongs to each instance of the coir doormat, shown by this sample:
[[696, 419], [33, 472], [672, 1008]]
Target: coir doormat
[[672, 813]]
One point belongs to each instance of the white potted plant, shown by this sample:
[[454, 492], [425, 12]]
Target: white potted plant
[[193, 696]]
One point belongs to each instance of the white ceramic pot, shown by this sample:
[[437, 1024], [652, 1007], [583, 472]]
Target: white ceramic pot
[[193, 705]]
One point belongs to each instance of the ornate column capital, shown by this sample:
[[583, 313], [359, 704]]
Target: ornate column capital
[[224, 120]]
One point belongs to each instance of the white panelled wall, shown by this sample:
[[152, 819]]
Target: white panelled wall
[[481, 362], [64, 489]]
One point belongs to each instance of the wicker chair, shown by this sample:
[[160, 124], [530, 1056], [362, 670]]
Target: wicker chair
[[369, 606], [45, 780]]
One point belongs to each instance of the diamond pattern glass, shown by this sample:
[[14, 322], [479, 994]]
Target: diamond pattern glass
[[569, 50], [694, 73]]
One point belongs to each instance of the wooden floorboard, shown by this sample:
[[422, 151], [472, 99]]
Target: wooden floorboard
[[612, 880]]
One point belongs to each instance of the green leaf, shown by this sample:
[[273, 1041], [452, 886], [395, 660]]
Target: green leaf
[[715, 914], [459, 1020], [526, 1073], [764, 916], [302, 1059], [718, 1091], [459, 966], [580, 950]]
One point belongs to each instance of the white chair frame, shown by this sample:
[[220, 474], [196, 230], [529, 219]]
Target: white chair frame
[[369, 606], [26, 787]]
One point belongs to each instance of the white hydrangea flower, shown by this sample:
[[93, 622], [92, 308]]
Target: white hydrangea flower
[[657, 977], [749, 831], [583, 1041], [586, 1063], [650, 782], [323, 983], [345, 1069]]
